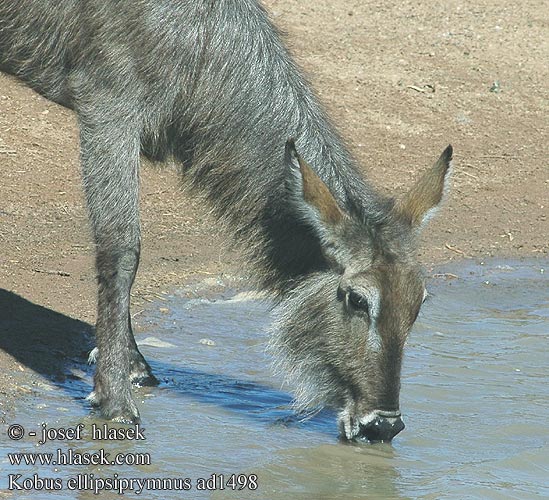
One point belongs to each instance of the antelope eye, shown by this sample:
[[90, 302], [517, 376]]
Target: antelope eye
[[357, 301]]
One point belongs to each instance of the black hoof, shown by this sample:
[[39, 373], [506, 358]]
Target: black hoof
[[140, 372], [123, 412], [148, 380]]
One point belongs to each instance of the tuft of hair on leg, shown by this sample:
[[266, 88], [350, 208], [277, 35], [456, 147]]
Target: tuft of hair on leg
[[93, 399], [92, 356]]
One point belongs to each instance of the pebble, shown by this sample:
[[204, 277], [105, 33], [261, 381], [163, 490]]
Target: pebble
[[154, 342]]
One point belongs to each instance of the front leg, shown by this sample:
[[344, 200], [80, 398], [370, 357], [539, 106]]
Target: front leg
[[110, 165], [141, 374]]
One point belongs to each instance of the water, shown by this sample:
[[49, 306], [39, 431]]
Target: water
[[475, 400]]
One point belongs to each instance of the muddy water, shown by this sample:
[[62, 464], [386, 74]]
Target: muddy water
[[475, 398]]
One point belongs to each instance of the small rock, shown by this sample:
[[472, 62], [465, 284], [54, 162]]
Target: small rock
[[247, 296], [154, 342], [44, 386], [463, 119]]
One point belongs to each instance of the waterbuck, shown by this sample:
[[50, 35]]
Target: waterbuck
[[210, 85]]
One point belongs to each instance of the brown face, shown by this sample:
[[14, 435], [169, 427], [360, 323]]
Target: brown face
[[341, 339], [342, 331], [381, 305]]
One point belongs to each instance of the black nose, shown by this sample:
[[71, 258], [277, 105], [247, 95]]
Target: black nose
[[381, 429]]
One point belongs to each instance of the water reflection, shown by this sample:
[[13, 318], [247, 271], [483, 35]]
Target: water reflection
[[328, 472]]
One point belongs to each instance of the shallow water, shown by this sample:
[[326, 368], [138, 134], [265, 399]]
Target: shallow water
[[475, 400]]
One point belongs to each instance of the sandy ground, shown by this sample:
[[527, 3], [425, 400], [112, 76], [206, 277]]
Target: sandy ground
[[401, 79]]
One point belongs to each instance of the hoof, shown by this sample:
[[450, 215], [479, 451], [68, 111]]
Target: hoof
[[140, 372], [149, 380], [125, 419], [123, 412]]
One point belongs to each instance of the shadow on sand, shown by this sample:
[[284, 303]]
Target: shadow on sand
[[53, 345]]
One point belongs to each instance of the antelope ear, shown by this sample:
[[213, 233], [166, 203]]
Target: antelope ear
[[316, 206], [310, 196], [422, 201]]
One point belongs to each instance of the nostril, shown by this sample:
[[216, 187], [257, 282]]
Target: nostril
[[381, 429]]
